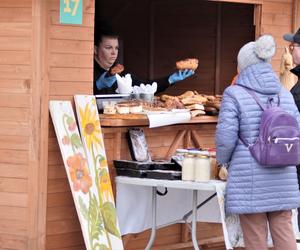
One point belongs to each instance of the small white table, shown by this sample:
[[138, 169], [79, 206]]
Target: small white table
[[195, 186]]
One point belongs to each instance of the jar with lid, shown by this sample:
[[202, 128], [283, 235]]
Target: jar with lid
[[179, 155], [188, 167], [213, 163], [202, 167]]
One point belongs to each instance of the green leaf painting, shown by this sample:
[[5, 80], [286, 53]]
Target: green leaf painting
[[83, 179], [92, 139]]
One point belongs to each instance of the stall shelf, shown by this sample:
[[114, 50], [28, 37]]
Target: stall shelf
[[162, 144]]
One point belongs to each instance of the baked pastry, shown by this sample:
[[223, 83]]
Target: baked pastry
[[122, 108], [193, 99], [195, 106], [215, 104], [167, 97], [189, 63], [186, 94], [197, 112], [134, 109], [109, 109], [117, 69]]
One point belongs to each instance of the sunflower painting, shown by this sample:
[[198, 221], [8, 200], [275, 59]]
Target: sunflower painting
[[81, 176], [89, 125]]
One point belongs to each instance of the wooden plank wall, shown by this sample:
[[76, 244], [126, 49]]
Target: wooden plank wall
[[277, 19], [70, 72], [15, 112]]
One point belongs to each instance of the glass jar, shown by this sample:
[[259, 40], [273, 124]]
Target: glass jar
[[179, 155], [213, 163], [202, 167], [188, 167]]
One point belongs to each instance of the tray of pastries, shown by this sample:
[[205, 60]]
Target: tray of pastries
[[198, 104]]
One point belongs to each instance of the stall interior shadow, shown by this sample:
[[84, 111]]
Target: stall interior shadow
[[156, 33]]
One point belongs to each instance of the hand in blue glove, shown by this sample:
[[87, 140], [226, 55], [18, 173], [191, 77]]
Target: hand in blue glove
[[105, 81], [180, 75]]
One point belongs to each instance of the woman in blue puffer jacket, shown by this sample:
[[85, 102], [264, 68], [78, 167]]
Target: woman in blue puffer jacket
[[260, 195]]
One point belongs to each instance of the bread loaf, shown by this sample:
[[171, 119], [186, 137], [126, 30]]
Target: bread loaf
[[117, 69], [189, 63]]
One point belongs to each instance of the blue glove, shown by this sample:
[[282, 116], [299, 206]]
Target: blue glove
[[105, 81], [180, 75]]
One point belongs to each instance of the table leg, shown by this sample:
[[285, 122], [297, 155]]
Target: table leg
[[153, 230], [194, 220]]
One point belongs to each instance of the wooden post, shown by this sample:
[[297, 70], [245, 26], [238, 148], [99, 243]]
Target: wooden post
[[179, 137], [38, 151], [218, 49], [257, 19], [296, 15], [196, 139], [187, 139]]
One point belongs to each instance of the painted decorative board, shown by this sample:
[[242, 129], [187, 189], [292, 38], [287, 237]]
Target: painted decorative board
[[81, 175], [92, 138]]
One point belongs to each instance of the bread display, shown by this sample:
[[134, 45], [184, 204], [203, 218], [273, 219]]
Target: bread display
[[117, 69], [197, 104], [189, 63]]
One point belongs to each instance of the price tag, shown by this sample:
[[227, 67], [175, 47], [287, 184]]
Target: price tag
[[71, 11]]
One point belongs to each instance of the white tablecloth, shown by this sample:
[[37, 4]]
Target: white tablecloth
[[134, 204]]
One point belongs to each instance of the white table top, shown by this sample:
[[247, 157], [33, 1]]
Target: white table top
[[208, 186]]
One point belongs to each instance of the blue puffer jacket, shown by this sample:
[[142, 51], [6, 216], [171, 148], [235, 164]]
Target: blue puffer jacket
[[252, 188]]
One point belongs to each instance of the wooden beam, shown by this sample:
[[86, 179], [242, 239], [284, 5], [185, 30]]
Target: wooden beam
[[39, 119], [187, 139], [151, 40], [218, 49], [178, 138], [257, 19], [196, 139], [189, 245], [240, 1], [296, 15], [185, 233]]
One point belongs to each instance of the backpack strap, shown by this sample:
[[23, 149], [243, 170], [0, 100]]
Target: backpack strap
[[269, 103], [251, 92]]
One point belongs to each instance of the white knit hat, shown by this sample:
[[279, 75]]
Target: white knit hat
[[262, 50]]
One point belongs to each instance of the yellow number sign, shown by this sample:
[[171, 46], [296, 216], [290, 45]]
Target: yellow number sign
[[71, 11]]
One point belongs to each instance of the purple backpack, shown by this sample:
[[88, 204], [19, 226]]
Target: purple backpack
[[278, 142]]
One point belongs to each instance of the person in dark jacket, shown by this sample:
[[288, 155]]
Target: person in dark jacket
[[106, 46], [294, 39], [295, 51]]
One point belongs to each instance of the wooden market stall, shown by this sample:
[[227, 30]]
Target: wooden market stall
[[42, 60]]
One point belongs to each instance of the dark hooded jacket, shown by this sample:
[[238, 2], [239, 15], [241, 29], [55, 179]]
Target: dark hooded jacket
[[296, 89]]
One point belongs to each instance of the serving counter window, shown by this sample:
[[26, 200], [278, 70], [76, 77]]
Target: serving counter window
[[156, 34]]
